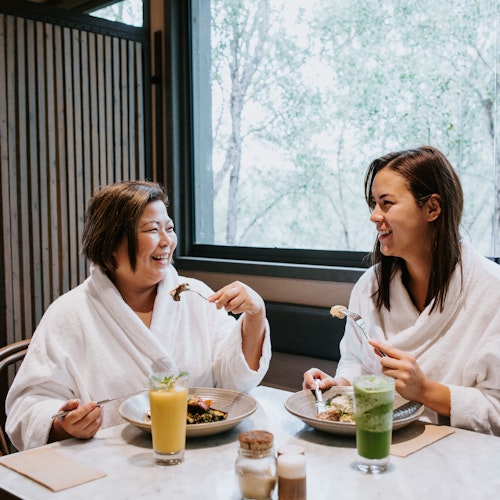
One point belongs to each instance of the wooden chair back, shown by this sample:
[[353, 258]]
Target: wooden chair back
[[10, 355]]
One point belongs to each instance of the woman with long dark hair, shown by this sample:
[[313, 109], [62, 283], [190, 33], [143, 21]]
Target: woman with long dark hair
[[430, 302]]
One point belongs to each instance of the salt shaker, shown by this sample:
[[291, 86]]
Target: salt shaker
[[291, 469], [256, 465]]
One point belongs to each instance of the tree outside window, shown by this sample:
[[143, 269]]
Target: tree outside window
[[303, 95]]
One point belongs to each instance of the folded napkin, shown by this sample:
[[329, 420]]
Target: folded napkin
[[416, 436], [54, 470]]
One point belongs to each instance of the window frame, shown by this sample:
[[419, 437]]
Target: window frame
[[320, 265], [288, 263]]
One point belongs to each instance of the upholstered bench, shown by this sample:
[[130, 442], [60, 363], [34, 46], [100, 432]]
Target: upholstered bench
[[286, 370], [301, 337]]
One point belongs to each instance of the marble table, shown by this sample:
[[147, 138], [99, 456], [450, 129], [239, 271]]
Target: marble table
[[463, 465]]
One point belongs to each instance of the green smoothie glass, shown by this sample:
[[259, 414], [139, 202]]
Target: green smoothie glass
[[373, 408]]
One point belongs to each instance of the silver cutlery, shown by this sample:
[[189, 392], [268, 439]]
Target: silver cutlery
[[198, 293], [342, 311], [320, 404], [99, 403], [406, 410]]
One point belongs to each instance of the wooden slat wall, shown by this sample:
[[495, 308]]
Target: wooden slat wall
[[71, 119]]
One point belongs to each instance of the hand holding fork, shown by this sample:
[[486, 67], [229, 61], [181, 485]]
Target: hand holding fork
[[341, 312]]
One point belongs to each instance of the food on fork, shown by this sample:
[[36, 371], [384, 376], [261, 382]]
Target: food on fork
[[176, 292], [337, 312]]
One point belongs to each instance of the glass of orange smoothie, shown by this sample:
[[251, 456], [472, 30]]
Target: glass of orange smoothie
[[168, 395]]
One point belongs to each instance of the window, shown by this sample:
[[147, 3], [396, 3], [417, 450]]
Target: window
[[127, 12], [291, 100]]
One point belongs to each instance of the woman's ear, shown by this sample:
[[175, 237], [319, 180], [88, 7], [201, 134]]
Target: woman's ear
[[433, 207]]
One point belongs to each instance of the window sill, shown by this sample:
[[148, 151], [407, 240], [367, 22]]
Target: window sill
[[270, 269]]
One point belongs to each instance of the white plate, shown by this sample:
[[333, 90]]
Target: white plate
[[237, 404], [303, 405]]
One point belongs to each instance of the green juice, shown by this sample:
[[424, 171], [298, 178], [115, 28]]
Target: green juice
[[373, 402]]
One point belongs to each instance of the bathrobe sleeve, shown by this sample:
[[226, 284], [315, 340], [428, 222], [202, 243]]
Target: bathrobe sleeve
[[91, 346], [207, 341]]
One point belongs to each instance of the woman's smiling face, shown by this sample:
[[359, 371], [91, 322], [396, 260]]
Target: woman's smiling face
[[403, 227], [156, 242]]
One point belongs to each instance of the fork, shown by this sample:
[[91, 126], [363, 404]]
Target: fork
[[320, 404], [184, 287], [100, 403], [359, 321], [188, 289]]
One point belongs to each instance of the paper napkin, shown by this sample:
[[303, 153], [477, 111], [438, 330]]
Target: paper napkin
[[51, 468], [416, 436]]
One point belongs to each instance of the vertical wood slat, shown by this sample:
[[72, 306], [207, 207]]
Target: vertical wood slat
[[86, 134], [71, 119], [3, 166], [108, 84], [64, 260], [101, 107], [23, 166], [140, 122], [40, 162], [124, 109], [54, 228], [68, 104], [94, 114], [33, 184], [12, 273], [78, 139], [5, 105], [115, 64], [130, 119]]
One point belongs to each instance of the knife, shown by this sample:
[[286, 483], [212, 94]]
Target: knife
[[320, 404], [406, 410], [100, 403]]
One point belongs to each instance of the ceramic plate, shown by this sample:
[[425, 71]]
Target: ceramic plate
[[238, 405], [303, 405]]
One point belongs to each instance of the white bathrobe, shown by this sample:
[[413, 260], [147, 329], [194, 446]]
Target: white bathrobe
[[91, 345], [459, 347]]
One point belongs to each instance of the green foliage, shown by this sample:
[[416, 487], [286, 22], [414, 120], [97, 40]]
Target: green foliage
[[309, 93], [125, 11]]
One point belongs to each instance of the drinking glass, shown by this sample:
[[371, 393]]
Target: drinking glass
[[373, 412], [168, 395]]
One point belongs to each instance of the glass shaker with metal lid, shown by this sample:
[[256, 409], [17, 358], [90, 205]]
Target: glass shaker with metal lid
[[256, 465]]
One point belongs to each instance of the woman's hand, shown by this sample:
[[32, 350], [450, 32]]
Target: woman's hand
[[82, 422], [411, 382], [239, 298], [325, 381]]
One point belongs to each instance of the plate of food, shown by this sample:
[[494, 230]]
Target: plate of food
[[210, 410], [338, 418]]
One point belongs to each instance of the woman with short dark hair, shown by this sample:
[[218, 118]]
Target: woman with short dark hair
[[102, 339], [430, 302]]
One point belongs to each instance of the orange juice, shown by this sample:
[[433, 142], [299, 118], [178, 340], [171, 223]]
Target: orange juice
[[168, 419], [168, 395]]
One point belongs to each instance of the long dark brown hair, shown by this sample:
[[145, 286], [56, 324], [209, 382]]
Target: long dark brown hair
[[112, 215], [426, 171]]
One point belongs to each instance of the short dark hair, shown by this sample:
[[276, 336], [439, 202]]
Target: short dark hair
[[427, 171], [112, 214]]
